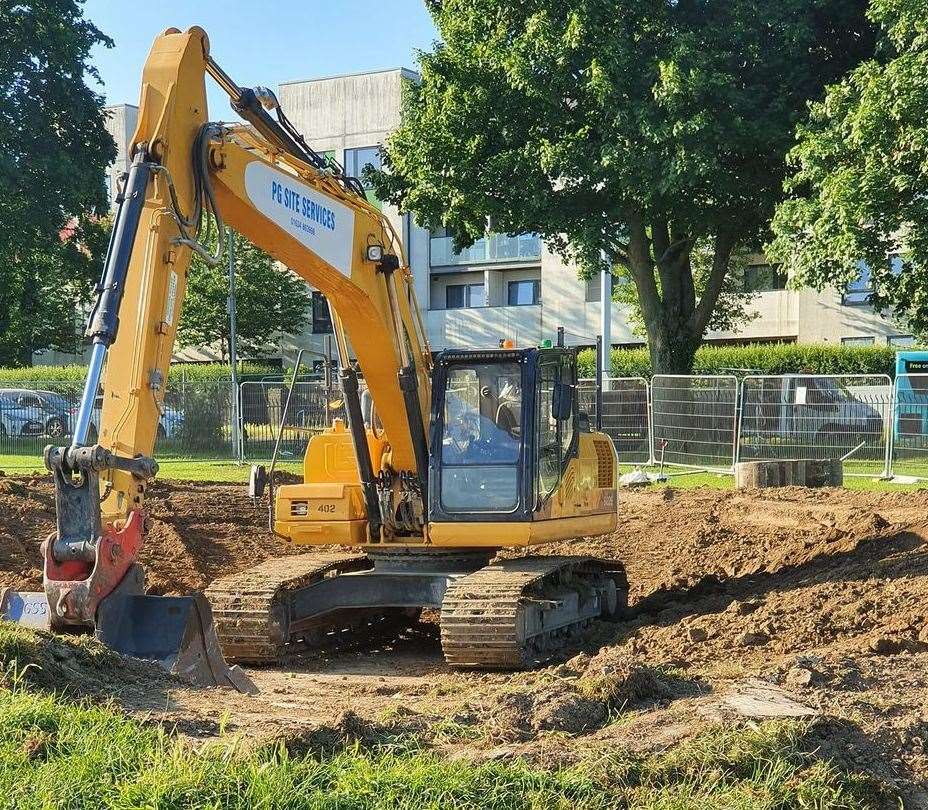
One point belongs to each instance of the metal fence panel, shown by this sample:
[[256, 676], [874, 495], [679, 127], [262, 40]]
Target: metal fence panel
[[909, 428], [312, 408], [194, 424], [818, 417], [694, 420], [626, 416]]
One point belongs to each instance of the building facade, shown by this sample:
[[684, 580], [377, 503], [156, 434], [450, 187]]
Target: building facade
[[513, 287], [504, 287]]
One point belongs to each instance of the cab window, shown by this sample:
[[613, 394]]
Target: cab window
[[481, 443], [555, 423]]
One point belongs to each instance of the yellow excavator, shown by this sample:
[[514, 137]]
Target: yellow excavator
[[439, 463]]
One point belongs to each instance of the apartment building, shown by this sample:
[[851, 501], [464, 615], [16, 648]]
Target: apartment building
[[512, 286], [506, 286]]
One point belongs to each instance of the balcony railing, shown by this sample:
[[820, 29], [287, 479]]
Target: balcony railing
[[495, 248]]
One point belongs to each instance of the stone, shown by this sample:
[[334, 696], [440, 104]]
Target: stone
[[696, 634], [753, 639], [799, 676]]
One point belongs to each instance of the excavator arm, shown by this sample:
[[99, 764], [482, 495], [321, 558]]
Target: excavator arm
[[188, 175]]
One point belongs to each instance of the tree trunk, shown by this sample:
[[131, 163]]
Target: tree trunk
[[659, 258], [672, 352]]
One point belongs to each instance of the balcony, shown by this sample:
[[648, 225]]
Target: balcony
[[497, 248], [484, 327]]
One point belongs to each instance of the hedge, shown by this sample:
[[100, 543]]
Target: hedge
[[192, 372], [766, 358]]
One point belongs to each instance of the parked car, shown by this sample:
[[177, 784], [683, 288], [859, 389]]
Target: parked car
[[33, 413], [168, 426]]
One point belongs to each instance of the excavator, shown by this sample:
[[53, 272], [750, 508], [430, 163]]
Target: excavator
[[440, 462]]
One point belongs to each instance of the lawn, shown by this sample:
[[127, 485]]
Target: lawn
[[61, 752]]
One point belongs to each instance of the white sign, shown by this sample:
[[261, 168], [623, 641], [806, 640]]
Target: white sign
[[800, 395], [322, 224]]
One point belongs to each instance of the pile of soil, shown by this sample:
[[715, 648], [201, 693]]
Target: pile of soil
[[822, 594], [201, 531]]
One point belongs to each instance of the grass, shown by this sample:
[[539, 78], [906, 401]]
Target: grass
[[56, 753], [176, 469]]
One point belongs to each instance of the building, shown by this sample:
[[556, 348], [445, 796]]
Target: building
[[507, 287], [513, 287]]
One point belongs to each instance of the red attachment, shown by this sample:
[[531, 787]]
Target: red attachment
[[75, 589]]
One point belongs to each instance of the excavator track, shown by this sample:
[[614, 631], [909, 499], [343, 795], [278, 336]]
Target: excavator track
[[519, 613], [251, 609]]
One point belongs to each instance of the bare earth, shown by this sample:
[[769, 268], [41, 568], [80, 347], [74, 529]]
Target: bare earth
[[815, 600]]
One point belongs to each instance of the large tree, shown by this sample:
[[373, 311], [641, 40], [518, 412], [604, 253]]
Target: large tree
[[54, 149], [270, 300], [860, 188], [624, 131]]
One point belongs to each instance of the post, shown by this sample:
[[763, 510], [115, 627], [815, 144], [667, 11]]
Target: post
[[599, 382], [605, 315], [233, 353], [560, 337]]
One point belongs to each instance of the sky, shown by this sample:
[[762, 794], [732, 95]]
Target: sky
[[261, 42]]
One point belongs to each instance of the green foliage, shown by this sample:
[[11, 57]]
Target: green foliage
[[54, 149], [193, 372], [96, 757], [860, 188], [764, 358], [269, 300], [635, 130]]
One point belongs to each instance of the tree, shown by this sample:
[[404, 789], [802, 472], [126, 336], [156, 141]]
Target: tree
[[54, 149], [732, 307], [860, 187], [269, 300], [629, 131]]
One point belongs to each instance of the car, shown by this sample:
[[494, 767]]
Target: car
[[33, 413], [169, 424]]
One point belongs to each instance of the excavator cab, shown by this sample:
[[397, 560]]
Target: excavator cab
[[509, 449]]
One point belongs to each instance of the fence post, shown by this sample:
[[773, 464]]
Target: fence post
[[599, 382], [652, 459], [739, 417], [888, 474]]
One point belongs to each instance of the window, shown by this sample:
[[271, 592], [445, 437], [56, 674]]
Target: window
[[901, 340], [764, 278], [465, 296], [862, 340], [555, 422], [859, 290], [357, 159], [593, 286], [322, 318], [355, 162], [524, 293], [481, 443]]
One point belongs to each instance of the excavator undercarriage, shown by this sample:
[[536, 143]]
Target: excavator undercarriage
[[511, 614]]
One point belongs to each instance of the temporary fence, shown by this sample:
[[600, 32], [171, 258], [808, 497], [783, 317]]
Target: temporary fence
[[694, 421], [908, 432], [818, 417], [626, 415], [313, 406], [195, 421], [707, 422]]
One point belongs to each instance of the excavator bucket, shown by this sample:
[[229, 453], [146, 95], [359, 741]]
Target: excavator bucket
[[175, 632]]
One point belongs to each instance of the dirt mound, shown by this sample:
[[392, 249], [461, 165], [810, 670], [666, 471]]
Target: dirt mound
[[200, 532], [822, 593]]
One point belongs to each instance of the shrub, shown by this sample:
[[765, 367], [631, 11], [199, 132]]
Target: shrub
[[767, 358]]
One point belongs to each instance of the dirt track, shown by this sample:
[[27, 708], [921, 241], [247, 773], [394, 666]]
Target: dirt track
[[821, 593]]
